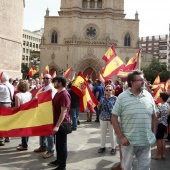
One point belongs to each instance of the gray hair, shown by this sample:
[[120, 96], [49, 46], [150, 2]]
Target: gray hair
[[4, 77]]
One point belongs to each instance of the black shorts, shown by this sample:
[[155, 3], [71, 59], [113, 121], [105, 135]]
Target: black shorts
[[161, 129]]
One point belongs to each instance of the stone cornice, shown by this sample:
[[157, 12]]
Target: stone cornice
[[80, 41]]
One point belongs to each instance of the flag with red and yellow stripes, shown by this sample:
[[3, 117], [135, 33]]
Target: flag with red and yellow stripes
[[131, 65], [67, 72], [54, 74], [156, 82], [111, 53], [124, 74], [112, 68], [81, 88], [47, 70], [156, 95], [101, 78], [32, 71], [34, 118], [167, 85]]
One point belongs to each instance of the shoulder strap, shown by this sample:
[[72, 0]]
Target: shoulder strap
[[9, 92]]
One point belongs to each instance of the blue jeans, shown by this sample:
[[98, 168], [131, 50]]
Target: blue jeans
[[61, 148], [24, 141], [47, 142], [74, 113]]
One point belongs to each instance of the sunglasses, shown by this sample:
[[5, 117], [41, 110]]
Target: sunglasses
[[46, 78], [108, 90]]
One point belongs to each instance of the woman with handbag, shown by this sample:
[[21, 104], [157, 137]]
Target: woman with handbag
[[106, 105], [22, 97]]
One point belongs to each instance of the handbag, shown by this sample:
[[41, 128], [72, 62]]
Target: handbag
[[65, 128]]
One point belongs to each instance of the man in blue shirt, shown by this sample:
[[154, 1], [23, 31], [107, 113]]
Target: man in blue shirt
[[99, 92]]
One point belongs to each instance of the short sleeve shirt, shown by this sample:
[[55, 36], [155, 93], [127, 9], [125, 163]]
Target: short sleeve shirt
[[61, 99], [135, 114]]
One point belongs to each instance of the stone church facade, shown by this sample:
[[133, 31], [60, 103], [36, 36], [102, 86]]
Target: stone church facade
[[11, 28], [83, 32]]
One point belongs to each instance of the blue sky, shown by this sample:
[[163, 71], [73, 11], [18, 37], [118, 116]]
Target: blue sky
[[154, 15]]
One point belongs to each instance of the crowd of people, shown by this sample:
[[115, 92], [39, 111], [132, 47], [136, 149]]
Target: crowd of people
[[126, 110]]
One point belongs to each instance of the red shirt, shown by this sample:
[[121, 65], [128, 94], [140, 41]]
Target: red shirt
[[61, 99]]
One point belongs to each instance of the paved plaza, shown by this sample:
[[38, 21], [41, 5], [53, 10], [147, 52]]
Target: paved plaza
[[83, 145]]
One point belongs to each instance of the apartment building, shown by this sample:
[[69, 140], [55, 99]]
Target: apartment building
[[31, 43], [156, 45]]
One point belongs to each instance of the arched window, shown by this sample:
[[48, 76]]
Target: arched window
[[99, 4], [127, 40], [92, 3], [54, 37], [84, 5]]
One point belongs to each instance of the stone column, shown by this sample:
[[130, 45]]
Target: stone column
[[96, 4], [88, 3]]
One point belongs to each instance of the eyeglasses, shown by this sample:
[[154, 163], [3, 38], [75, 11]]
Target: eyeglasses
[[46, 78], [108, 90]]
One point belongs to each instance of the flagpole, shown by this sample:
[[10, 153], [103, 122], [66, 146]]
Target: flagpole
[[140, 55]]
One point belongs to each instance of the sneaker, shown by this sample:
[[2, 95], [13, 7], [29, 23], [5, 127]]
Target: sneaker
[[48, 154], [21, 148], [40, 149], [7, 140], [78, 122], [2, 143], [54, 163], [113, 151], [101, 150]]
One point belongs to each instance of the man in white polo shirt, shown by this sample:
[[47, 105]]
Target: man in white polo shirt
[[6, 97], [137, 128]]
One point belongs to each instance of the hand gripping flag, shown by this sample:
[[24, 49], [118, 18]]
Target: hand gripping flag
[[110, 54], [81, 88], [34, 118]]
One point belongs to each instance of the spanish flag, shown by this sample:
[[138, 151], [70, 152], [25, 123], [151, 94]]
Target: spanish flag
[[81, 88], [67, 72], [87, 77], [156, 95], [34, 118], [131, 65], [101, 78], [54, 74], [47, 70], [110, 54], [156, 82], [167, 85], [32, 71], [123, 74], [112, 68], [1, 75]]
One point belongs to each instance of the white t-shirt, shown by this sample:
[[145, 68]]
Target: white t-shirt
[[24, 97]]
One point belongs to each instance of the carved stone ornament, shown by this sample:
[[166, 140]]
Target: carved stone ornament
[[53, 56], [90, 51]]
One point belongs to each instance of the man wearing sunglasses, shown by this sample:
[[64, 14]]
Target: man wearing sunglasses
[[49, 146], [137, 112]]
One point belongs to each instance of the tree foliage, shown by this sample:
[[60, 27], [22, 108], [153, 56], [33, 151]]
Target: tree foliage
[[154, 69], [24, 70]]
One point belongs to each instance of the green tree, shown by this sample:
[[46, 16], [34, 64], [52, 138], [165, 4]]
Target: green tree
[[24, 70], [154, 69]]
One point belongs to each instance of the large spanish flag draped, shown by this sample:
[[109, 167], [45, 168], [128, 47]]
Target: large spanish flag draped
[[156, 82], [112, 68], [111, 53], [81, 88], [131, 65], [32, 71], [67, 72], [34, 118]]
